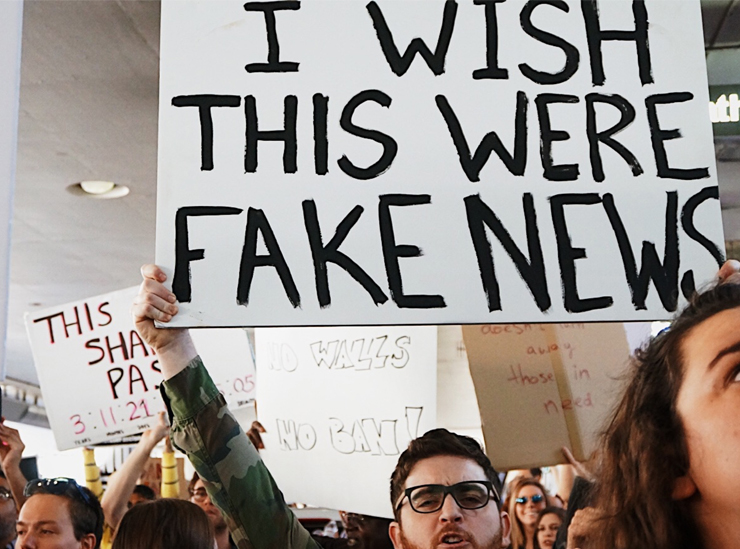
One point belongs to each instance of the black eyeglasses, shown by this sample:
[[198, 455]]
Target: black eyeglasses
[[535, 499], [57, 487], [429, 498]]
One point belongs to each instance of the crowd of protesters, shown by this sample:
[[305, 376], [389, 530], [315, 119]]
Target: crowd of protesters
[[665, 475]]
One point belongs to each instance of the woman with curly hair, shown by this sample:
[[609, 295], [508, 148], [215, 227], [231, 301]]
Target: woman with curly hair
[[669, 475]]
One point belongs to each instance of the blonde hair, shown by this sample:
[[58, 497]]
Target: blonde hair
[[518, 535]]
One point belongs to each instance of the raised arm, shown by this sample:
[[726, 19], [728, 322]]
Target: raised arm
[[121, 485], [11, 453], [237, 480]]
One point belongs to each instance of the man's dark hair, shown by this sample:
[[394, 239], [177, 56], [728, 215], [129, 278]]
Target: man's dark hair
[[85, 513], [439, 442], [143, 491]]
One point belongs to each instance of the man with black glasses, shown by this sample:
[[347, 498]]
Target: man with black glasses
[[59, 514], [444, 491]]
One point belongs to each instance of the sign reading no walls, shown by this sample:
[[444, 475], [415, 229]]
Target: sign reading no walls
[[333, 162]]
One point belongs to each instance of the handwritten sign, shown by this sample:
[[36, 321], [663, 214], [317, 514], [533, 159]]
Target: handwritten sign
[[343, 403], [100, 381], [367, 177], [542, 387]]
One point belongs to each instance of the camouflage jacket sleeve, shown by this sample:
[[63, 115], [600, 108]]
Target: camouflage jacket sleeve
[[235, 476]]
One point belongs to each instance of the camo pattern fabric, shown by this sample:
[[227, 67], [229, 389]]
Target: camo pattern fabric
[[235, 476]]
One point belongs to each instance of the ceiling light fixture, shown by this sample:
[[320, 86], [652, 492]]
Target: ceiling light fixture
[[98, 189]]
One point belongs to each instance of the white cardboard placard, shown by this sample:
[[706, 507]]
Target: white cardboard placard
[[527, 168], [343, 403], [100, 381]]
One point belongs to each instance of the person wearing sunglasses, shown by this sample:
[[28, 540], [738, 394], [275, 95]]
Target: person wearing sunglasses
[[59, 514], [528, 498], [444, 490]]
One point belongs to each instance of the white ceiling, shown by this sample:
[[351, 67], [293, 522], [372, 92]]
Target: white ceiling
[[88, 110]]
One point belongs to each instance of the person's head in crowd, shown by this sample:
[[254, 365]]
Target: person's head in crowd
[[199, 496], [164, 524], [59, 514], [444, 491], [669, 475], [547, 526], [141, 494], [527, 498], [366, 532], [8, 516], [536, 473]]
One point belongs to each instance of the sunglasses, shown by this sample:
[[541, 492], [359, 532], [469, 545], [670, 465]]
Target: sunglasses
[[429, 498], [57, 487], [535, 499]]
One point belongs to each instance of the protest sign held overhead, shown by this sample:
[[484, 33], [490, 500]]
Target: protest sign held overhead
[[100, 380], [542, 387], [398, 162], [343, 403]]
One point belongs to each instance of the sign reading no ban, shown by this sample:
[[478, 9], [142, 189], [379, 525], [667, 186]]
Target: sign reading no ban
[[333, 162]]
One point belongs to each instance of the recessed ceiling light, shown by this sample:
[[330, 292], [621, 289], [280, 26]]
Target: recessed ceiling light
[[98, 189]]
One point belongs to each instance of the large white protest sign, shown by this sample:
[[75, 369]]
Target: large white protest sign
[[340, 405], [542, 387], [334, 162], [100, 381]]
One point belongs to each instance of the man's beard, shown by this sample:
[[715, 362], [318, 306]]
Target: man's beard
[[495, 543]]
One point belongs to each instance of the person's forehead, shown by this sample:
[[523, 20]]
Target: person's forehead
[[198, 484], [529, 489], [45, 508], [550, 518], [444, 470], [704, 341]]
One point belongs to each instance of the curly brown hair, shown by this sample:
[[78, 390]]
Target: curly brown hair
[[644, 450]]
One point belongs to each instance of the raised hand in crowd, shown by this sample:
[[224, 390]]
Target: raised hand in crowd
[[122, 483], [730, 271], [228, 464], [255, 434], [581, 527], [11, 453], [155, 302]]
